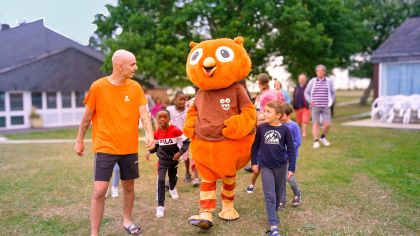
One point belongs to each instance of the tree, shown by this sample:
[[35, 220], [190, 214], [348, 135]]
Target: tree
[[154, 31], [304, 32], [311, 32], [158, 32]]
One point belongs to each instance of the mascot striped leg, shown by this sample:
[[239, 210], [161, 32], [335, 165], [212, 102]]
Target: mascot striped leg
[[207, 205], [228, 195]]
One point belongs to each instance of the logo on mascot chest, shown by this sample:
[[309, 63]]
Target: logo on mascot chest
[[225, 103]]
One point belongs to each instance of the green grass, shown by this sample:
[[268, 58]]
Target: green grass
[[367, 182], [345, 112], [66, 133]]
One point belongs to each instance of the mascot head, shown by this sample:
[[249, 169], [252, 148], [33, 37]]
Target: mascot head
[[218, 63]]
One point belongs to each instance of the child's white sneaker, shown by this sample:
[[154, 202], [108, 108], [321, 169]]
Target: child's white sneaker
[[250, 189], [173, 193], [114, 191], [160, 211], [316, 144]]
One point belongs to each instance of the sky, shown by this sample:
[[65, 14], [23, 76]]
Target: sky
[[71, 18]]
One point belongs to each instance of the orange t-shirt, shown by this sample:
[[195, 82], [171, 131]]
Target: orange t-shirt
[[116, 115]]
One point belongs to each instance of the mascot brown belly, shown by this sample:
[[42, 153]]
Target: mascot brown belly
[[220, 122]]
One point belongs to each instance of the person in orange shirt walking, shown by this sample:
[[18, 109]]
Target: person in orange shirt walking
[[114, 105]]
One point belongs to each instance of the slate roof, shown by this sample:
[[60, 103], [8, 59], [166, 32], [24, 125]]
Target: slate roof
[[36, 58], [65, 70], [403, 45]]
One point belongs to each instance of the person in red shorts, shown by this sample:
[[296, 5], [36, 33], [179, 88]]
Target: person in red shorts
[[301, 106]]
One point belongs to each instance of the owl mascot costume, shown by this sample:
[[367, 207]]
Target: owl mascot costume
[[220, 122]]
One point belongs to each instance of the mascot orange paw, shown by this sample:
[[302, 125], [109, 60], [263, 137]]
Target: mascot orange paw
[[189, 132], [204, 220], [232, 130]]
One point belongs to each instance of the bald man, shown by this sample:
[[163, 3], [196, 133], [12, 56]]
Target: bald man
[[114, 105]]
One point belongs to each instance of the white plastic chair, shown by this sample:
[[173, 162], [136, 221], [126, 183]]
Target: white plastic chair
[[414, 106], [401, 104], [381, 107]]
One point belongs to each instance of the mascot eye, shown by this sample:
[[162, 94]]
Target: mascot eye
[[196, 56], [222, 100], [224, 54]]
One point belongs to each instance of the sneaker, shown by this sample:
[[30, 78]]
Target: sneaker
[[282, 205], [187, 178], [160, 211], [316, 144], [196, 182], [273, 232], [296, 201], [173, 193], [324, 141], [114, 191], [250, 189], [248, 169]]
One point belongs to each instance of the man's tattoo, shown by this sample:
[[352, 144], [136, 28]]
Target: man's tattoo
[[84, 126], [145, 120]]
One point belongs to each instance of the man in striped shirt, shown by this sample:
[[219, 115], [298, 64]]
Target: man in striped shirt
[[320, 94]]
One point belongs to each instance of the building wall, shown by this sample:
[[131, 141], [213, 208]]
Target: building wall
[[375, 80], [53, 112], [15, 110], [402, 78]]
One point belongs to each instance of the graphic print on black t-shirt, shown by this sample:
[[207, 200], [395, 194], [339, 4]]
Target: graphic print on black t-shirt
[[272, 137]]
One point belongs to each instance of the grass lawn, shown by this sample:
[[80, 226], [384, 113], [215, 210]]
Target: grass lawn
[[366, 183], [65, 133], [345, 112]]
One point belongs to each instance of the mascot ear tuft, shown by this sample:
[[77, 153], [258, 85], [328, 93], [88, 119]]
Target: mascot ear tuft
[[239, 40], [192, 44]]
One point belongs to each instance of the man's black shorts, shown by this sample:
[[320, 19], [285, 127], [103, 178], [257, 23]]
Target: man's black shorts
[[104, 165]]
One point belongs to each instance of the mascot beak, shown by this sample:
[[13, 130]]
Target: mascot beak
[[209, 66]]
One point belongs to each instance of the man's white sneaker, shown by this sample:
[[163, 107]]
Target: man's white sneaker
[[114, 191], [316, 144], [173, 193], [160, 211], [324, 141]]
